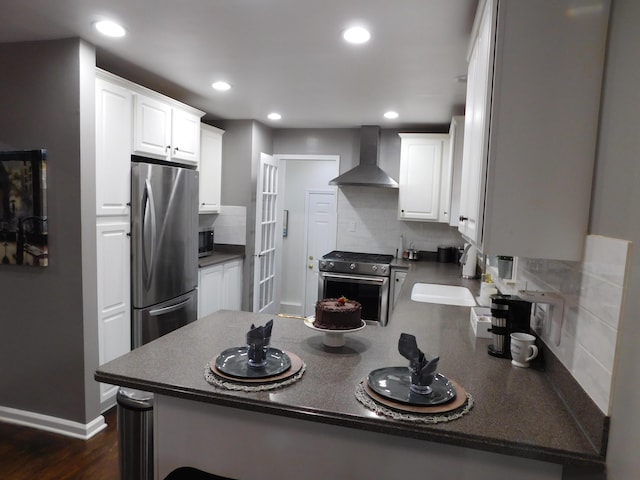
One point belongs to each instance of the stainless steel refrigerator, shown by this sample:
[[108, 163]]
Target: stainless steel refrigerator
[[164, 248]]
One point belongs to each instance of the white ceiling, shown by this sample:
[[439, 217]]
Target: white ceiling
[[279, 55]]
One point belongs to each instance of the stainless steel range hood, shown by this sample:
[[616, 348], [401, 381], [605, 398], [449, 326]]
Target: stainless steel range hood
[[367, 173]]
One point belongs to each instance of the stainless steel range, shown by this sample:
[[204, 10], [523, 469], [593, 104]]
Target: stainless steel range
[[359, 276]]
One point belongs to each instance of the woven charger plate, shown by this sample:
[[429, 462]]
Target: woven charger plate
[[296, 365], [457, 402]]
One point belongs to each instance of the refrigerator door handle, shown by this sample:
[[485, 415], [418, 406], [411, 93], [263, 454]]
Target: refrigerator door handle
[[148, 254], [169, 309]]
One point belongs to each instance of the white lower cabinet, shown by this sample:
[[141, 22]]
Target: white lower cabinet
[[397, 280], [114, 297], [220, 287]]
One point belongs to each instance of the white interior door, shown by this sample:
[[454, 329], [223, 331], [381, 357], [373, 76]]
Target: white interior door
[[265, 294], [321, 233]]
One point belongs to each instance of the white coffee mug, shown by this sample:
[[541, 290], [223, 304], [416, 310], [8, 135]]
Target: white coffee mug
[[523, 349]]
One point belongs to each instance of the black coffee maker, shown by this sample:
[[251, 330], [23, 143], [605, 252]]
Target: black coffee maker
[[509, 313]]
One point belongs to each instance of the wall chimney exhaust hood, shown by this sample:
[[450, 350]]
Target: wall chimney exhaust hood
[[367, 173]]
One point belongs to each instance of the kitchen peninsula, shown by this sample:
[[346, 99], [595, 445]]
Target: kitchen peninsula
[[316, 428]]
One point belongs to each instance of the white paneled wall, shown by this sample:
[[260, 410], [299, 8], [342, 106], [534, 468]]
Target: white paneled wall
[[593, 291], [368, 222]]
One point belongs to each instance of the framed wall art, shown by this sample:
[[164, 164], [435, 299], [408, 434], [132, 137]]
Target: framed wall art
[[23, 208]]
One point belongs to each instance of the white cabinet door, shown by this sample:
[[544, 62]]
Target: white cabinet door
[[476, 128], [531, 128], [114, 303], [210, 292], [165, 132], [152, 128], [113, 148], [421, 168], [456, 133], [185, 136], [220, 287], [210, 169], [232, 291]]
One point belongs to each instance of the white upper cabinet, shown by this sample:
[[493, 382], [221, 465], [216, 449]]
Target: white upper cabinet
[[152, 135], [474, 163], [113, 147], [185, 136], [425, 177], [456, 134], [165, 131], [533, 97], [210, 169]]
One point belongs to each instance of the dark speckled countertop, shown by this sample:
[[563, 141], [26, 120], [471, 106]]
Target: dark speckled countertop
[[222, 254], [516, 411]]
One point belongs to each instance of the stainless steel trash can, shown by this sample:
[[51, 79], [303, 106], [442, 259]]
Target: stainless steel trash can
[[135, 434]]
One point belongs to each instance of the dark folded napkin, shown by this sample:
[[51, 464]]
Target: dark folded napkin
[[258, 339], [423, 370]]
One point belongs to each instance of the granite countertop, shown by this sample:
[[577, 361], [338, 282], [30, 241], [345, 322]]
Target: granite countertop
[[516, 411], [222, 254]]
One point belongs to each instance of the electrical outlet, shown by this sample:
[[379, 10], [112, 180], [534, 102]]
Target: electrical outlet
[[539, 317]]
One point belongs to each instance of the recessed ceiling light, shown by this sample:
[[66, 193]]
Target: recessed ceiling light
[[356, 35], [221, 86], [274, 116], [109, 28], [391, 114]]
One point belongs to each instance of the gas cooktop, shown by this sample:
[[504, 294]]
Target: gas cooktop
[[358, 257], [356, 262]]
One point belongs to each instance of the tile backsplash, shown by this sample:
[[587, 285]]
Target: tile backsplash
[[230, 225], [368, 222], [593, 292]]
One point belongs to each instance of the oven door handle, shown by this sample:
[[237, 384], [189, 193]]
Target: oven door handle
[[357, 278]]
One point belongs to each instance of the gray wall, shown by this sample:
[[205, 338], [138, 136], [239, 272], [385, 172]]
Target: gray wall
[[615, 213], [45, 91], [242, 143], [236, 162], [338, 141]]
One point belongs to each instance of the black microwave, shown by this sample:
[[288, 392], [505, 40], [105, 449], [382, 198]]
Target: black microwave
[[205, 242]]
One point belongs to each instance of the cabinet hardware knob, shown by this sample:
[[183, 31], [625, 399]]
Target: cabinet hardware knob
[[167, 147], [463, 218]]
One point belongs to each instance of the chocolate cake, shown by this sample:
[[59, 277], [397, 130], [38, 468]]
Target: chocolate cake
[[338, 314]]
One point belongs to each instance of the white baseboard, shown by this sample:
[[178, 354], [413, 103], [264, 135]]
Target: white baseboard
[[53, 424], [290, 308]]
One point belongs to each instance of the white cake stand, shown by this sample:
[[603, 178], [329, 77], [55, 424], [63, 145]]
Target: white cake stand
[[332, 338]]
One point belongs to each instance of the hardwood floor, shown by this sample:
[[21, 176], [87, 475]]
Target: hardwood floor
[[31, 454]]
